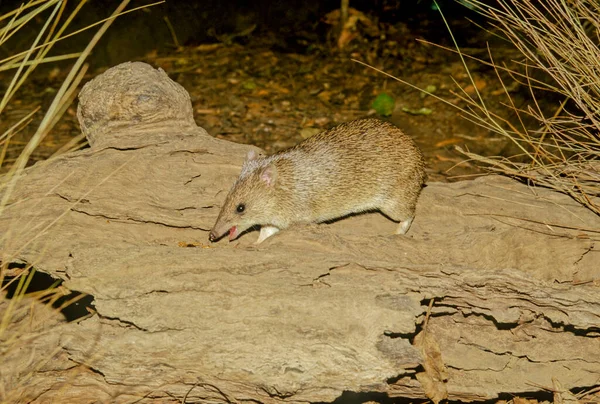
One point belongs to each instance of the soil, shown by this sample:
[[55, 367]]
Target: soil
[[273, 92]]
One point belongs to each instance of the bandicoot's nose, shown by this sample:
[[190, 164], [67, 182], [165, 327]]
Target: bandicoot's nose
[[212, 236]]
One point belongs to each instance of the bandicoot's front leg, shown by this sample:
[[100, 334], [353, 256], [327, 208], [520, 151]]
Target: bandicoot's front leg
[[265, 233]]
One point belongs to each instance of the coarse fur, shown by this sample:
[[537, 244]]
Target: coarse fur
[[358, 166]]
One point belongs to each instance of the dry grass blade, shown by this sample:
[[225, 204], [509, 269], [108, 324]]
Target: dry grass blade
[[23, 73]]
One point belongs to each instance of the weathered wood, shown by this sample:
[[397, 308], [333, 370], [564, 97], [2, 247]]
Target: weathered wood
[[316, 310]]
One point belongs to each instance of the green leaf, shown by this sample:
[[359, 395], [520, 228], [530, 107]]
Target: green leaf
[[249, 85], [383, 104]]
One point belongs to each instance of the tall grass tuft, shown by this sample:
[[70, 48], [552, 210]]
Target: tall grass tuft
[[559, 41], [16, 334]]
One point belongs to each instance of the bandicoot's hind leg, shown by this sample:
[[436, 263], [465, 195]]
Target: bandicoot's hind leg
[[400, 212], [401, 205], [404, 225]]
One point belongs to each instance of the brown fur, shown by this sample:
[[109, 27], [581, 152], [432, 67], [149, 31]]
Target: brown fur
[[354, 167]]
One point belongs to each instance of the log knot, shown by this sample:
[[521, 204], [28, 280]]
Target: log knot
[[132, 96]]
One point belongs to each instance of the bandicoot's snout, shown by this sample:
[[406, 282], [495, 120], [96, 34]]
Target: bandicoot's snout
[[213, 236], [216, 234], [219, 231]]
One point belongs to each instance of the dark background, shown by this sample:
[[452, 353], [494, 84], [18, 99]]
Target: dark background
[[288, 25]]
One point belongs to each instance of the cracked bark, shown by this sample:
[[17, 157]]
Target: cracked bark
[[314, 312]]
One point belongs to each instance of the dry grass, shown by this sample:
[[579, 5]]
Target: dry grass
[[559, 41], [19, 323], [24, 63]]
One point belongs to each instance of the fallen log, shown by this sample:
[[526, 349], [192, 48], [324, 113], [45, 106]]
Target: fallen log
[[494, 290]]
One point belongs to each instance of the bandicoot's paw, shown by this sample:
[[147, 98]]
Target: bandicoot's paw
[[265, 233]]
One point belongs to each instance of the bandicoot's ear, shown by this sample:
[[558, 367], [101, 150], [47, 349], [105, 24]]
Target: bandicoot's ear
[[251, 155], [269, 175]]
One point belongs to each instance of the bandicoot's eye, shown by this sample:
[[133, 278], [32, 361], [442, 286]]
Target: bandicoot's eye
[[240, 208]]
